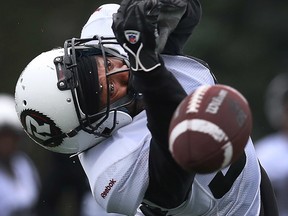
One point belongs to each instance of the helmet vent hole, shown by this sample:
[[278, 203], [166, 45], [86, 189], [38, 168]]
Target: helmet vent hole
[[24, 102]]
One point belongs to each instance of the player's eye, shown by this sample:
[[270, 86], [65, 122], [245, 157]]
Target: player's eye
[[109, 65]]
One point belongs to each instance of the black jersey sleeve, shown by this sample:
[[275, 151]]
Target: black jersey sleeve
[[162, 93], [168, 183]]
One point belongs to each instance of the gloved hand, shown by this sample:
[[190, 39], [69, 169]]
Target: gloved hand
[[171, 12], [135, 27]]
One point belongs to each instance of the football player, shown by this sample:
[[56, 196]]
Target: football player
[[109, 97]]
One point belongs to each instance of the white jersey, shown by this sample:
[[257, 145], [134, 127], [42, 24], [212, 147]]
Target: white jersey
[[117, 168]]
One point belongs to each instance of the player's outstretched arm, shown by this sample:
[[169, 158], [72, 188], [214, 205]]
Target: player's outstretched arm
[[135, 27]]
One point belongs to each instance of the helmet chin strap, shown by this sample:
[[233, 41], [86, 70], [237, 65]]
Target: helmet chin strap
[[108, 126], [115, 120]]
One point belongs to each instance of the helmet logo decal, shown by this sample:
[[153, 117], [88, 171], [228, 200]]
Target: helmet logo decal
[[132, 36], [40, 127]]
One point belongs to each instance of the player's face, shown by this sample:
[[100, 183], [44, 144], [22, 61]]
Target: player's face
[[118, 82]]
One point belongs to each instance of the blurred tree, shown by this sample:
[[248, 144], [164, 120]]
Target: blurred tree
[[244, 42]]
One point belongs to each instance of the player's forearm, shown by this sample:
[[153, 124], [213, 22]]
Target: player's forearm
[[162, 94]]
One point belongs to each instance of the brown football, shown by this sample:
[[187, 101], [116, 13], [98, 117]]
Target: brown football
[[210, 128]]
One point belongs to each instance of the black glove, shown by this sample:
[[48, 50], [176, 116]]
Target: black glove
[[135, 27], [171, 12]]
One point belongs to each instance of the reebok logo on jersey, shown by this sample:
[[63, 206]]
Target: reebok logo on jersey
[[108, 188]]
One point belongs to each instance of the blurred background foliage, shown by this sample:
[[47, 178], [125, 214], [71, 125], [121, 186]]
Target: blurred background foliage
[[244, 42]]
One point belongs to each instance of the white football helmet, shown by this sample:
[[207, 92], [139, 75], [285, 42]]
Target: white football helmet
[[58, 97]]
